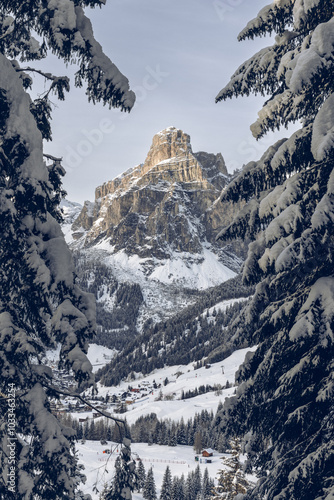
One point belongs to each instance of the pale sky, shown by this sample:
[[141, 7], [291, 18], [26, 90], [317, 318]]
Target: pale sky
[[177, 56]]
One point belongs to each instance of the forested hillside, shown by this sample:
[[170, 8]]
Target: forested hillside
[[117, 304], [198, 332]]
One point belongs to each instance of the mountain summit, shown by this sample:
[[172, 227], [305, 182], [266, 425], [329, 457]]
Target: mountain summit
[[159, 206]]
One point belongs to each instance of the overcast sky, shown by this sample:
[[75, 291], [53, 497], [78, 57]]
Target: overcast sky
[[177, 56]]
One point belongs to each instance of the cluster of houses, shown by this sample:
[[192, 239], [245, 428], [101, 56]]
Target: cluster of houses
[[117, 401], [141, 391]]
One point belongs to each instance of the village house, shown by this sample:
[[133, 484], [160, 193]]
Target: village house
[[208, 452]]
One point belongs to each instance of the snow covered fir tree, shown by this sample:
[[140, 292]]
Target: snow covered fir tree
[[284, 409], [125, 478], [167, 486], [149, 489], [40, 304], [281, 415]]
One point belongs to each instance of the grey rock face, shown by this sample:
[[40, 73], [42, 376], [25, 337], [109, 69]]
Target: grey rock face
[[165, 204]]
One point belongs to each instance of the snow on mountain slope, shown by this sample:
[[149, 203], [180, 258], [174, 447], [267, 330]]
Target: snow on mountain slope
[[71, 210], [160, 300], [222, 306], [98, 356], [179, 458], [202, 272], [195, 271], [181, 378]]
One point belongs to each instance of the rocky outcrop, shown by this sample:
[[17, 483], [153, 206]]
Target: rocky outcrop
[[84, 221], [159, 206]]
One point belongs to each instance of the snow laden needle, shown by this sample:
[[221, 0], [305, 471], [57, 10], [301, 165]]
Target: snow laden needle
[[284, 407], [40, 302]]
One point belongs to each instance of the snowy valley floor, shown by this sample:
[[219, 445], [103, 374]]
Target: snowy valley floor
[[181, 459]]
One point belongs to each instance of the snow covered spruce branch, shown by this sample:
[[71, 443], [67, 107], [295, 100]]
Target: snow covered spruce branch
[[53, 158], [48, 76], [40, 303], [284, 403]]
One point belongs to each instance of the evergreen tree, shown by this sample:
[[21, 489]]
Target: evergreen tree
[[112, 492], [179, 488], [190, 433], [125, 476], [40, 303], [197, 481], [181, 433], [198, 442], [284, 407], [207, 486], [149, 491], [232, 480], [172, 439], [141, 475], [190, 489], [167, 486]]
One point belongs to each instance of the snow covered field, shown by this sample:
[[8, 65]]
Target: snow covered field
[[99, 355], [180, 458]]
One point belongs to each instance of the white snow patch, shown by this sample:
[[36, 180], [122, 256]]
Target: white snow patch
[[193, 274], [71, 211], [323, 130], [222, 306], [99, 355]]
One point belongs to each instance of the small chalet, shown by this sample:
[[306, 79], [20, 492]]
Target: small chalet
[[207, 453]]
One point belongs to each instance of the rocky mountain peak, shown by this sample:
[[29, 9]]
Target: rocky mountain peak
[[164, 212], [167, 144]]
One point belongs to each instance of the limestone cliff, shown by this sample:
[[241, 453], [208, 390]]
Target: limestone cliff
[[160, 206]]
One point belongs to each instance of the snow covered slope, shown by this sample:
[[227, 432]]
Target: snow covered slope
[[98, 355], [182, 378], [71, 211]]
